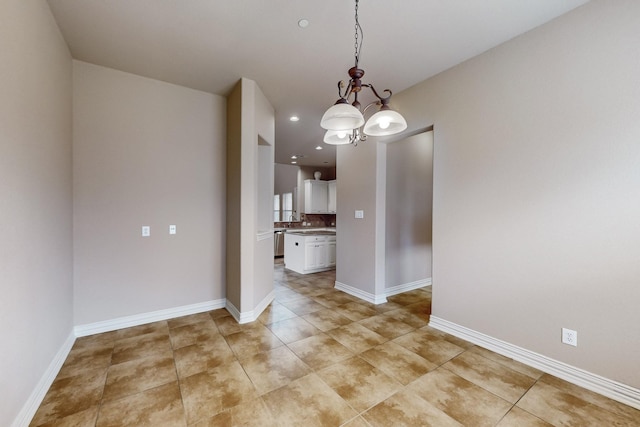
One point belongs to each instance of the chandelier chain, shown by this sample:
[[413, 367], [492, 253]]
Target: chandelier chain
[[358, 30]]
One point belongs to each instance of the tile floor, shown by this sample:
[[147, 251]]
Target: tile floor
[[315, 357]]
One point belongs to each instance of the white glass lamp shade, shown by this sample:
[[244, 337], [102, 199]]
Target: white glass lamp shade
[[344, 117], [337, 137], [385, 122]]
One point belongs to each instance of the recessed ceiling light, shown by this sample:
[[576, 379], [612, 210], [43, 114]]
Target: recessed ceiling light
[[303, 23], [294, 118], [294, 162], [319, 147], [294, 157]]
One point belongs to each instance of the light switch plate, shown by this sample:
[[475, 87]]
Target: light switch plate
[[359, 214]]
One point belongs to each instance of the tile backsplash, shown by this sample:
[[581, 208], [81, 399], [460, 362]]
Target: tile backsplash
[[312, 221]]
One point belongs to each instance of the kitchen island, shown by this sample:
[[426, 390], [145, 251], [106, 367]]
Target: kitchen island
[[310, 251]]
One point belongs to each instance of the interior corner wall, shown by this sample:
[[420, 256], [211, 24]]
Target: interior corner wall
[[145, 153], [36, 311], [536, 178], [409, 210], [251, 121]]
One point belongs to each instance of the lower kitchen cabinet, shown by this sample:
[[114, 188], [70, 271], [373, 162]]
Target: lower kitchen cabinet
[[309, 253]]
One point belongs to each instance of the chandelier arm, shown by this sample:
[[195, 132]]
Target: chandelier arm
[[383, 100]]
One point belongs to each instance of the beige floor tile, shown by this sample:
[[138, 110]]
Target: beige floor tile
[[407, 298], [188, 320], [492, 376], [193, 333], [161, 406], [217, 314], [355, 311], [356, 337], [87, 357], [509, 363], [227, 325], [326, 319], [356, 422], [293, 329], [86, 418], [386, 326], [320, 351], [251, 414], [273, 369], [333, 299], [208, 393], [71, 395], [405, 409], [447, 337], [462, 400], [517, 417], [302, 306], [408, 317], [591, 397], [561, 408], [203, 356], [251, 341], [359, 383], [309, 402], [396, 361], [96, 340], [139, 346], [275, 313], [138, 375], [433, 349], [147, 328]]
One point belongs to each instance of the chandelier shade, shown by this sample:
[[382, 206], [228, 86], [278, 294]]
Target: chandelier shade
[[385, 122], [343, 117], [337, 137]]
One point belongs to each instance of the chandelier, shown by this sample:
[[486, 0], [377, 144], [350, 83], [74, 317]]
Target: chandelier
[[344, 121]]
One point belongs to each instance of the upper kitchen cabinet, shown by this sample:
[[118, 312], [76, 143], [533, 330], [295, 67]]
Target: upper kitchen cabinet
[[316, 196]]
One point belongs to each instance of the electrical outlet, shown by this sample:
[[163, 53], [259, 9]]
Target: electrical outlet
[[146, 231], [172, 229], [569, 337]]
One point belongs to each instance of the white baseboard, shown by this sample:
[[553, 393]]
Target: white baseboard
[[143, 318], [604, 386], [373, 299], [33, 403], [406, 287], [250, 316]]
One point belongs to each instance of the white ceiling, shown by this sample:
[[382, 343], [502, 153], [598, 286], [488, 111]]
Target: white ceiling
[[209, 44]]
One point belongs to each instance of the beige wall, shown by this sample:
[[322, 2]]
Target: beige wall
[[356, 238], [36, 313], [145, 153], [536, 179], [251, 120], [408, 210]]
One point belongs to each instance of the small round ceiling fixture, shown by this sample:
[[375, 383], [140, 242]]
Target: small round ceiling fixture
[[294, 162], [303, 23], [294, 118], [319, 147]]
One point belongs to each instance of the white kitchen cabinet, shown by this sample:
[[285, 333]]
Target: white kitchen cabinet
[[331, 254], [316, 196], [309, 253], [315, 255], [331, 204]]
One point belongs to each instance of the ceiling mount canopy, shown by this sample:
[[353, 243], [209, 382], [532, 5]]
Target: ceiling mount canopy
[[345, 122]]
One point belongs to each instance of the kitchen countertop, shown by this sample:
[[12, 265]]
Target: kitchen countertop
[[313, 232]]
